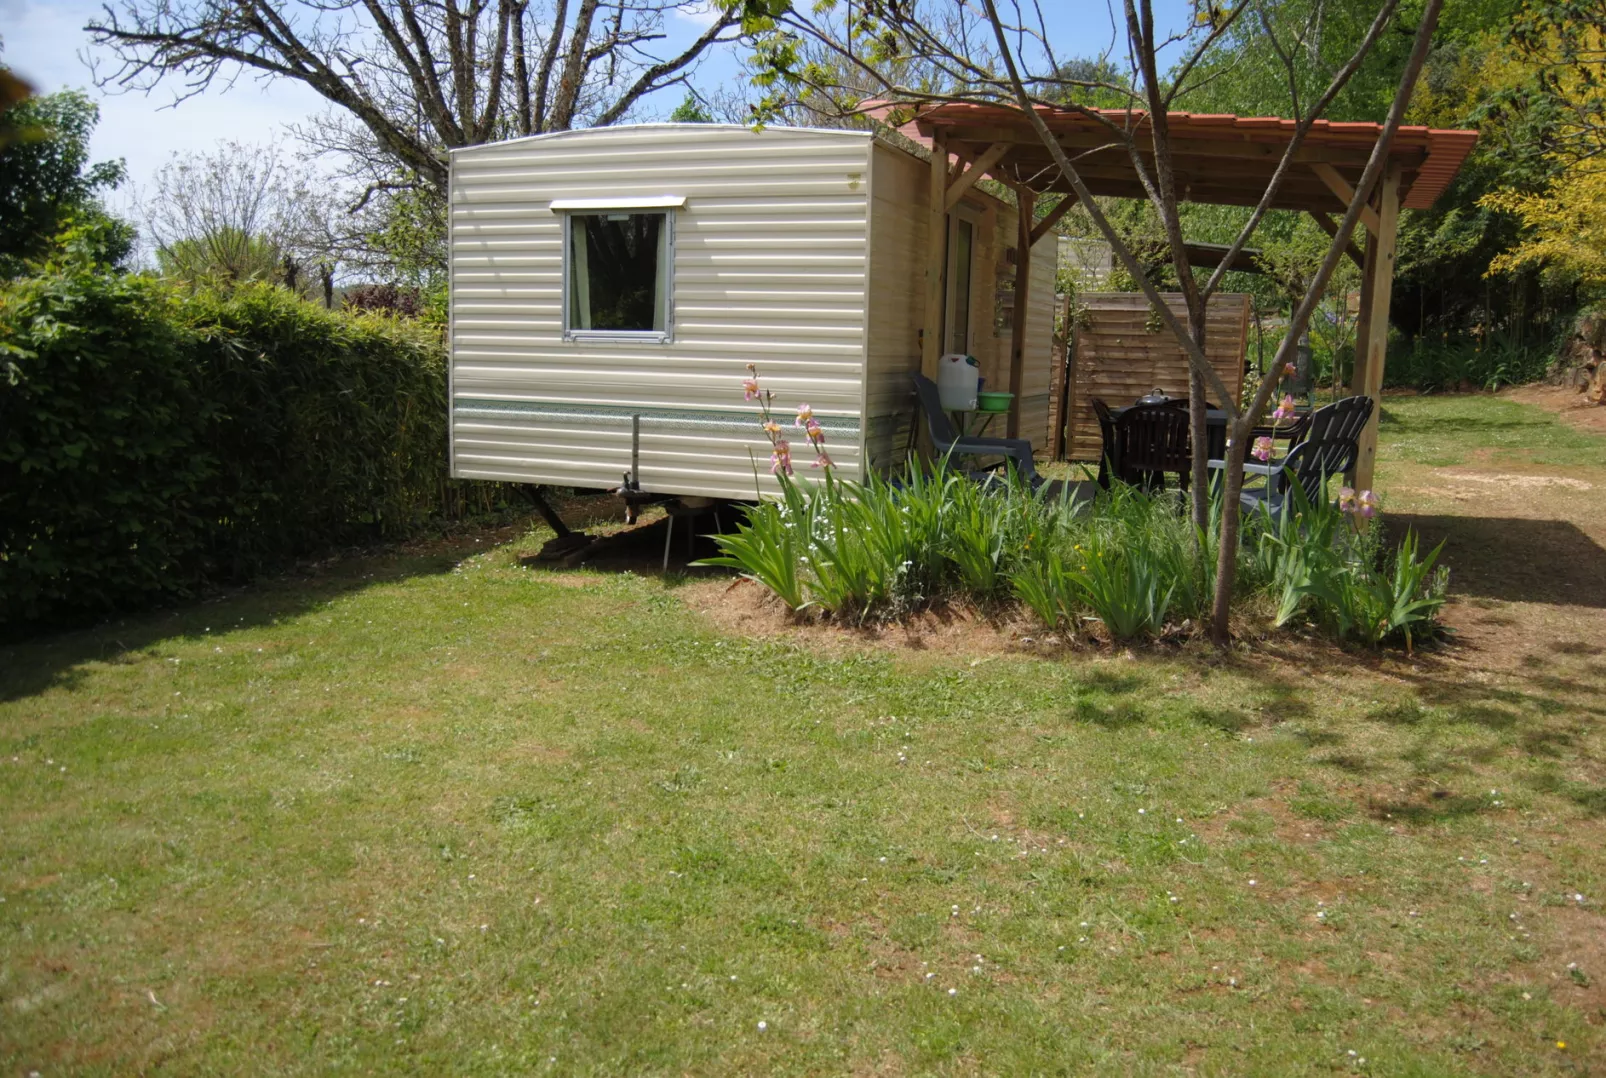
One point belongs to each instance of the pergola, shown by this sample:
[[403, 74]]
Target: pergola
[[1222, 159]]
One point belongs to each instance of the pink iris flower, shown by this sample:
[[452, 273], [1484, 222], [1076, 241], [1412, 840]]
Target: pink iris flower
[[1262, 449], [823, 461], [1285, 408], [781, 458], [1346, 499], [1369, 503], [805, 415], [750, 389]]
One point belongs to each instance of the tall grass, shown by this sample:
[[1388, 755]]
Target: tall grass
[[1449, 365], [1323, 570], [1130, 562]]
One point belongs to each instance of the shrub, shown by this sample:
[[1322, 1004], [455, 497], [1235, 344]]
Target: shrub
[[387, 298], [1468, 364], [334, 425], [151, 443], [106, 481]]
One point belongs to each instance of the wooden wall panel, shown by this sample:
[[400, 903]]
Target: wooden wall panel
[[1119, 359]]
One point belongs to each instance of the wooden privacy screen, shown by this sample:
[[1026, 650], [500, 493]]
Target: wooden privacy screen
[[1118, 357]]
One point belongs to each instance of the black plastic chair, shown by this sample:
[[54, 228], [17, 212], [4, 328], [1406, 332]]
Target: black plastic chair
[[1107, 448], [1151, 440], [948, 442], [1330, 447]]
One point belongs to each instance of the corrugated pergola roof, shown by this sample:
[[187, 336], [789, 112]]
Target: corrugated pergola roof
[[1221, 159]]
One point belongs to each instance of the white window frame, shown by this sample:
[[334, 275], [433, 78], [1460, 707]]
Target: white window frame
[[569, 208]]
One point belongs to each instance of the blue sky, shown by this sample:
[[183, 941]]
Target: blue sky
[[45, 43]]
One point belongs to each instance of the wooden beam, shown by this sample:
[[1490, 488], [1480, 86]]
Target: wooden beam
[[1052, 218], [1330, 227], [967, 179], [1369, 377], [1025, 139], [936, 250], [1246, 193], [1346, 194], [1025, 200]]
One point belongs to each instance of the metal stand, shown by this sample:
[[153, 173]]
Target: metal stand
[[567, 541], [690, 508]]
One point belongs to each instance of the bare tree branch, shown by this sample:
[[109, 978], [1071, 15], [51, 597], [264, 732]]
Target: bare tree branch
[[420, 76]]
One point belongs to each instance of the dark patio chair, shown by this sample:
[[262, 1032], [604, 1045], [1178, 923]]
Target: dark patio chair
[[1329, 448], [1293, 432], [948, 442], [1152, 439], [1107, 448]]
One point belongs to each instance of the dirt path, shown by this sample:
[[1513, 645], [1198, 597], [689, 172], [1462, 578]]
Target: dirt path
[[1526, 540]]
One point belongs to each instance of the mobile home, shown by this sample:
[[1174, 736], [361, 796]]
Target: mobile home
[[609, 287]]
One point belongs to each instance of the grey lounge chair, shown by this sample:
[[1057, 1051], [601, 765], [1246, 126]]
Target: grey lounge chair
[[1017, 452], [1329, 448]]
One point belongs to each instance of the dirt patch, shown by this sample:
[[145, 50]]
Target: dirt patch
[[534, 750], [1511, 481], [743, 608], [1563, 401], [1578, 940]]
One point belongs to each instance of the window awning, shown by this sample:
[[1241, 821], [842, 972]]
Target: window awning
[[643, 202]]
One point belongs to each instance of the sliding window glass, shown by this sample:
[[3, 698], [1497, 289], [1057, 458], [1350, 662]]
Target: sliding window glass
[[617, 275]]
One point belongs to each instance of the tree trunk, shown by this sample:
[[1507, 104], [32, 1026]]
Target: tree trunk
[[1198, 426], [1231, 528]]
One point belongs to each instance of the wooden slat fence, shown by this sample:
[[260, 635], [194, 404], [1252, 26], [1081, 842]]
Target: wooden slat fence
[[1119, 358]]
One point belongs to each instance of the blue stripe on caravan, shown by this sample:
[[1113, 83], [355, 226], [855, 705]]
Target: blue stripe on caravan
[[657, 419]]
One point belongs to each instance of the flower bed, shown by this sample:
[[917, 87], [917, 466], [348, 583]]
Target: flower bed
[[1129, 566]]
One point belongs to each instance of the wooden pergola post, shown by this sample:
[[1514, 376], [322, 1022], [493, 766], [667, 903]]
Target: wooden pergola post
[[1025, 202], [1372, 336], [936, 254]]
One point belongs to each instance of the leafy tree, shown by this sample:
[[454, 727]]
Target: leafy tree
[[225, 216], [48, 185], [224, 258], [1552, 92], [691, 111]]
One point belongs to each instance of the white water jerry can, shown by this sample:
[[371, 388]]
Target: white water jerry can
[[958, 378]]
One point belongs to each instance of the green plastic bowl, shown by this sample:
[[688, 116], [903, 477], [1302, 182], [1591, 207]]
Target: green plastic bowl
[[993, 402]]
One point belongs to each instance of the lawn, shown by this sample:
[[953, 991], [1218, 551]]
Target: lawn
[[434, 812]]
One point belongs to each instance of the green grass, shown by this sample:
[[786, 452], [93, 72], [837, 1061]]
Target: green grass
[[1444, 431], [439, 813]]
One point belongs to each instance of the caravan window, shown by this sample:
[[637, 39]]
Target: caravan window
[[616, 275]]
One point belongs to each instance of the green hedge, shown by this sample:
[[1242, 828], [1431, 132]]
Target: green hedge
[[152, 443]]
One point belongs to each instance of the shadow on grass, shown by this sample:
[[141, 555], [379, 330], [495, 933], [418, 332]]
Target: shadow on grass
[[1441, 805], [1514, 559], [53, 660]]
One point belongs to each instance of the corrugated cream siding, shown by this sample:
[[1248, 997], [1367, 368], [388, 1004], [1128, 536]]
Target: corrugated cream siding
[[901, 193], [769, 268]]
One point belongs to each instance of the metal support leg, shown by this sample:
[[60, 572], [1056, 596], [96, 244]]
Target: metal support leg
[[669, 534], [566, 540], [546, 512]]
